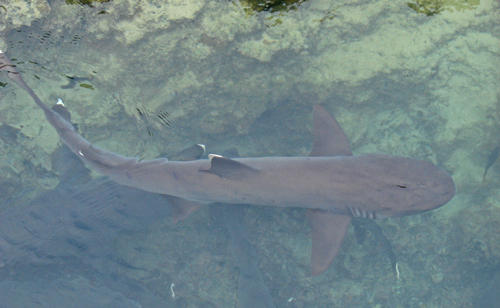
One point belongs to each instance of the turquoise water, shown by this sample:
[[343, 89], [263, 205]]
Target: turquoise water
[[149, 78]]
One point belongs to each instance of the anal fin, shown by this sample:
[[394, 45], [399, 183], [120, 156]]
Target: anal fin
[[328, 231]]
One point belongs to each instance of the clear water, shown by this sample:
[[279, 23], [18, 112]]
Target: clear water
[[149, 78]]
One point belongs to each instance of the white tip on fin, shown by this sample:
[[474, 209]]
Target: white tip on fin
[[203, 147], [211, 156], [60, 102]]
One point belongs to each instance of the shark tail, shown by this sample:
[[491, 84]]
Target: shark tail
[[60, 118]]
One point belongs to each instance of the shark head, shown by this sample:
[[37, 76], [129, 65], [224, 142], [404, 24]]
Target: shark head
[[407, 186]]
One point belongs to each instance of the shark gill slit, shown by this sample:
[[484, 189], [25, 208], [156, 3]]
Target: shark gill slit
[[355, 212]]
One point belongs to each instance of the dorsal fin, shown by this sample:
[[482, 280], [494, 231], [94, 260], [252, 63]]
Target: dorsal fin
[[229, 168], [329, 138]]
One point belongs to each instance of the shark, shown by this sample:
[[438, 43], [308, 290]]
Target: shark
[[331, 183]]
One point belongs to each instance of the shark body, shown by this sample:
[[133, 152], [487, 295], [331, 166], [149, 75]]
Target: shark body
[[331, 183]]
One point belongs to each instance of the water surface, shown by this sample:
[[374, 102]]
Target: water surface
[[145, 78]]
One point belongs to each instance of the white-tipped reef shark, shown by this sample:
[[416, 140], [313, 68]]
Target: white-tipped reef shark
[[331, 183]]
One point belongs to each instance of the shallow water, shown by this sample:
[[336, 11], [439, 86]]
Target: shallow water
[[145, 78]]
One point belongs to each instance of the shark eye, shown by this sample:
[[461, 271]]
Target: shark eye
[[401, 186]]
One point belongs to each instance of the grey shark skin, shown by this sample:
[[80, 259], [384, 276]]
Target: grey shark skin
[[331, 183]]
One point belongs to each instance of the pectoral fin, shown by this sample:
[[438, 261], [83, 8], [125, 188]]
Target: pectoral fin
[[329, 138], [328, 231]]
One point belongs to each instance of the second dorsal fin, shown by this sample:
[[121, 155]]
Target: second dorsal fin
[[60, 108]]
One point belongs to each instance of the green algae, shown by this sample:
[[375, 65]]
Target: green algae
[[433, 7], [86, 86], [86, 2], [271, 5], [329, 15], [273, 20]]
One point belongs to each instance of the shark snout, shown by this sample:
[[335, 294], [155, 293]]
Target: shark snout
[[430, 188], [444, 187], [437, 190]]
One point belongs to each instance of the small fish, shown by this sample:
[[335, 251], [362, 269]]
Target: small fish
[[491, 160], [73, 80], [150, 119]]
